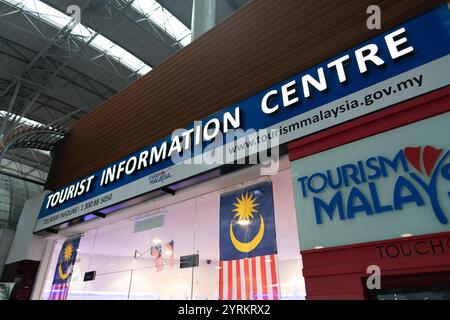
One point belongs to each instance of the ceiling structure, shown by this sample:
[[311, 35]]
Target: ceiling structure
[[54, 71]]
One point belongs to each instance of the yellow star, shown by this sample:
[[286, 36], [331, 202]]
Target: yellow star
[[68, 250], [245, 207]]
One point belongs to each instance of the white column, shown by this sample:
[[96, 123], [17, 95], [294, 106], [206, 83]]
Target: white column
[[203, 17], [25, 245]]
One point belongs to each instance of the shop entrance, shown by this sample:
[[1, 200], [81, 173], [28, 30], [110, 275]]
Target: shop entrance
[[138, 258]]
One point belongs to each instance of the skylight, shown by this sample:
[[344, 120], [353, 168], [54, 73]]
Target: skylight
[[11, 116], [159, 15], [58, 19]]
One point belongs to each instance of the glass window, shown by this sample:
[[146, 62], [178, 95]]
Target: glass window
[[156, 270], [82, 265], [45, 294], [108, 286], [206, 276], [290, 266], [139, 257]]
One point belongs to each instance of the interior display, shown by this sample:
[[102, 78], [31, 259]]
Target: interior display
[[151, 263]]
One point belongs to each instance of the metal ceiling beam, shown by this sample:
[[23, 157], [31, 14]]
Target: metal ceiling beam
[[18, 169], [59, 33], [93, 90], [70, 45], [50, 77], [45, 104], [11, 104], [161, 33], [28, 107], [64, 32], [12, 175], [89, 87], [25, 60], [38, 164]]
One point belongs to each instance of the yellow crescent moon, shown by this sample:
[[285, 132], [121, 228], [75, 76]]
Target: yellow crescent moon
[[248, 246], [63, 275]]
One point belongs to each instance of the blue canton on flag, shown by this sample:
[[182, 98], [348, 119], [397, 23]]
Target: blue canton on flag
[[247, 223]]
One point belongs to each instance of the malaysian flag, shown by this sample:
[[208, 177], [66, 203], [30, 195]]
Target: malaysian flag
[[64, 269], [248, 248], [59, 291], [156, 252]]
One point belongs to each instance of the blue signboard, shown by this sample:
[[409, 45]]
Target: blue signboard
[[407, 61]]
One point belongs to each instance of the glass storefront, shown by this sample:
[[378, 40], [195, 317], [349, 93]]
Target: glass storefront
[[121, 253]]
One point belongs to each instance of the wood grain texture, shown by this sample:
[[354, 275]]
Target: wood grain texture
[[263, 43]]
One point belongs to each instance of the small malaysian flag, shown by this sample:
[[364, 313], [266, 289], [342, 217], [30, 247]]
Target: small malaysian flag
[[64, 269], [248, 248], [156, 252]]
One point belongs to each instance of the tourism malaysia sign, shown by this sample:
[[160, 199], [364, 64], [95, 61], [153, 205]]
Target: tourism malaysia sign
[[393, 184], [402, 63]]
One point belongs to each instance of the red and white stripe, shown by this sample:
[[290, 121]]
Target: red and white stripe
[[249, 279], [59, 292]]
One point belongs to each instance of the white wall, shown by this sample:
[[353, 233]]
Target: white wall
[[26, 245]]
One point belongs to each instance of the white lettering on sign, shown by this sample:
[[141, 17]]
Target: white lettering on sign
[[146, 158], [393, 44], [70, 192], [290, 93], [364, 56]]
